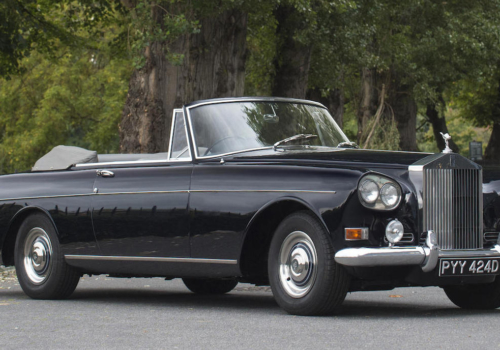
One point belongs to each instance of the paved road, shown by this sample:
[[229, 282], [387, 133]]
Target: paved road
[[106, 313]]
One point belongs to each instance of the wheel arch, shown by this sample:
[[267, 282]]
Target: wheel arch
[[7, 249], [260, 231]]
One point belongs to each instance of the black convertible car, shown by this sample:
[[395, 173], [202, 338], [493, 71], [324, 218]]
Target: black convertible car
[[266, 191]]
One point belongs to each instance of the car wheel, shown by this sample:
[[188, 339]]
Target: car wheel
[[304, 277], [475, 296], [209, 286], [41, 269]]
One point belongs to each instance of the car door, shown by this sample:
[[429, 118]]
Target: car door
[[140, 208]]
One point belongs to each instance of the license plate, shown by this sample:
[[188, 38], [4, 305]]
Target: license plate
[[469, 267]]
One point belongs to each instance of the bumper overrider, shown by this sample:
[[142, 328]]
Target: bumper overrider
[[427, 255]]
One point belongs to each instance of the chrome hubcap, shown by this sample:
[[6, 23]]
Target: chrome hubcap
[[298, 260], [37, 255]]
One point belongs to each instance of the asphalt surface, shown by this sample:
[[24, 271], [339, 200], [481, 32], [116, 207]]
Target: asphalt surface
[[108, 313]]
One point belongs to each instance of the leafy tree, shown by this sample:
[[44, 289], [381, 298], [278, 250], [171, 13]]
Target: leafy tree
[[191, 50], [41, 25], [75, 99]]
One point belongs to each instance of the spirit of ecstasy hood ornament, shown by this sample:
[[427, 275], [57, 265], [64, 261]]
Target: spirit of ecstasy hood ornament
[[446, 138]]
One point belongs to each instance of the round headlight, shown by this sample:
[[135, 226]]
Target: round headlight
[[369, 191], [394, 231], [389, 195]]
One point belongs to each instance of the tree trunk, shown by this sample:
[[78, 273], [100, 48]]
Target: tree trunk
[[492, 152], [368, 101], [334, 101], [213, 66], [293, 59], [405, 114], [404, 108], [438, 126]]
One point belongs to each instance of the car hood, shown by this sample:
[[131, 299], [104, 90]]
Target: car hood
[[352, 157]]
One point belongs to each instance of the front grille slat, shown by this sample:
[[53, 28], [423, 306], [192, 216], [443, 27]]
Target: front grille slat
[[453, 207]]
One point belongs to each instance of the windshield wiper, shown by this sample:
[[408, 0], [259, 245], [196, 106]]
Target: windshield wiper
[[347, 144], [295, 137]]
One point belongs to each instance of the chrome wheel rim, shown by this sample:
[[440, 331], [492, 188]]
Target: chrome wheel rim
[[298, 264], [37, 255]]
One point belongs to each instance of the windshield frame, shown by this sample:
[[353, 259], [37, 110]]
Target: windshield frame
[[187, 115]]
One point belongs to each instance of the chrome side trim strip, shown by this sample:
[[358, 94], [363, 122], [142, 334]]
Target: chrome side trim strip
[[44, 197], [126, 162], [141, 192], [172, 191], [151, 259], [283, 191], [217, 191]]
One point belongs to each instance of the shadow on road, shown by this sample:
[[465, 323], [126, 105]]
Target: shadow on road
[[253, 302], [397, 309], [166, 299]]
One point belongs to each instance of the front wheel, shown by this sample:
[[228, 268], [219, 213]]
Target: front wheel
[[304, 277], [40, 266], [475, 296], [209, 286]]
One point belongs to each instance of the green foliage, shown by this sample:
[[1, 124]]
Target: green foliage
[[164, 22], [475, 98], [69, 62], [151, 22], [75, 102], [385, 135], [261, 43], [461, 129], [350, 125], [75, 99], [27, 25]]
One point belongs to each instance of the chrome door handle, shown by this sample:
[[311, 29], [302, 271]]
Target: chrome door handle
[[105, 173]]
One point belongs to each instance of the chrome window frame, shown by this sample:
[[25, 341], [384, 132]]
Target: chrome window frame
[[185, 159], [276, 99], [150, 161]]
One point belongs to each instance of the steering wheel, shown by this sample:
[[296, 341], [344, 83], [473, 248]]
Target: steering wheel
[[208, 151]]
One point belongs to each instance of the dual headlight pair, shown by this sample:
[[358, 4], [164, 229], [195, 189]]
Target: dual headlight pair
[[379, 192]]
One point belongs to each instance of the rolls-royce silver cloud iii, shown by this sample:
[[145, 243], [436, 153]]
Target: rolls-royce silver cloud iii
[[267, 191]]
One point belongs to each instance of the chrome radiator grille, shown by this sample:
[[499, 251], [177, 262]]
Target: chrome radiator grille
[[453, 207]]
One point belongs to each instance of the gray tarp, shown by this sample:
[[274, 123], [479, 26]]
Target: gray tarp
[[63, 157]]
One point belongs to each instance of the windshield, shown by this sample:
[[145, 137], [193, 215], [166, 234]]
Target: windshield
[[231, 127]]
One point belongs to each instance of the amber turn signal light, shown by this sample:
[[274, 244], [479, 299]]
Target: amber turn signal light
[[356, 233]]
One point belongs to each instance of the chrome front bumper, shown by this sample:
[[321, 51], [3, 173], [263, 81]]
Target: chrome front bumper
[[426, 256]]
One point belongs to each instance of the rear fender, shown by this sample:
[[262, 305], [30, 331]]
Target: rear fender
[[9, 239]]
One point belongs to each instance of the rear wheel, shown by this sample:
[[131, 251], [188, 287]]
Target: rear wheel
[[209, 286], [304, 277], [41, 269], [475, 296]]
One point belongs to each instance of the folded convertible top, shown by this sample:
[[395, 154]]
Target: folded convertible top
[[63, 157]]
